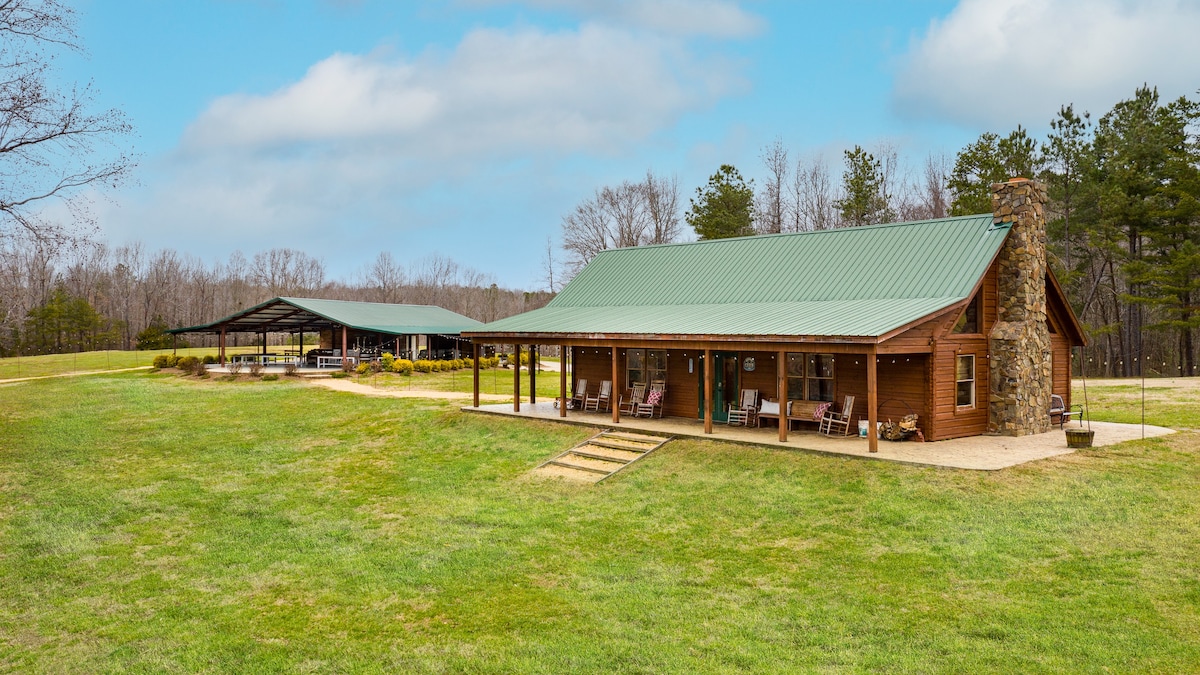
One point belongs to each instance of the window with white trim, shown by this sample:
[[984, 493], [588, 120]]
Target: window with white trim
[[965, 377]]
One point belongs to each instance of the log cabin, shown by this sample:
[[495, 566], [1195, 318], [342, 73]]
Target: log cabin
[[957, 320]]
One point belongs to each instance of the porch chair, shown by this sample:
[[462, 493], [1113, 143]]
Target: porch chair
[[628, 406], [602, 398], [745, 411], [580, 396], [653, 405], [1058, 409], [839, 421]]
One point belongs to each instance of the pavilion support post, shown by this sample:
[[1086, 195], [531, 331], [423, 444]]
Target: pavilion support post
[[264, 351], [708, 387], [781, 387], [516, 378], [872, 399], [474, 368], [222, 349], [533, 354], [345, 341], [397, 354], [562, 383], [300, 347], [616, 409], [174, 344]]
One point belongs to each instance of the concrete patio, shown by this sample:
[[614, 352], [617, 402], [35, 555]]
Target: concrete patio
[[979, 453]]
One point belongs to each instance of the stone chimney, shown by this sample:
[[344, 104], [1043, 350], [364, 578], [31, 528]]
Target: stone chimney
[[1020, 373]]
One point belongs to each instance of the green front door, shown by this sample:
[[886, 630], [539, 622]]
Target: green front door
[[725, 385]]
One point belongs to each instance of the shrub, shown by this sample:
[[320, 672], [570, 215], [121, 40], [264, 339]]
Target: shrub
[[363, 368], [456, 364], [423, 366], [493, 361], [347, 366], [208, 359], [290, 369], [256, 368], [386, 361], [163, 361], [339, 374], [467, 363], [270, 377], [235, 367], [189, 364], [402, 366]]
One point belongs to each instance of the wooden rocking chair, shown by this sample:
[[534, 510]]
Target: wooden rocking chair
[[580, 396], [628, 406], [745, 411], [603, 398], [839, 421], [653, 405]]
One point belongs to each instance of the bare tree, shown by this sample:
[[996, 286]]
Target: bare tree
[[630, 214], [771, 206], [662, 207], [51, 143], [385, 277], [549, 266], [288, 272], [814, 197]]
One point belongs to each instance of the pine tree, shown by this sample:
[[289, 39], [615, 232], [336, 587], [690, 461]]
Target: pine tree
[[724, 208]]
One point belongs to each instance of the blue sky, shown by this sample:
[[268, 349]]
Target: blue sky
[[468, 128]]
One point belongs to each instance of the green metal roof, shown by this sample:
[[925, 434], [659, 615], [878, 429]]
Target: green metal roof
[[851, 282], [287, 314]]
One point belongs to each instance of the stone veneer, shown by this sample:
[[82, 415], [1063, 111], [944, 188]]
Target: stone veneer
[[1021, 356]]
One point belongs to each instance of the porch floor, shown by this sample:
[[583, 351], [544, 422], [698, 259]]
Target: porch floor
[[980, 453]]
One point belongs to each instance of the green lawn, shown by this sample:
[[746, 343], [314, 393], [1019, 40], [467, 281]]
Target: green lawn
[[491, 381], [153, 523], [1168, 402], [57, 364]]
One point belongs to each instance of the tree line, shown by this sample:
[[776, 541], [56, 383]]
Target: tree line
[[1123, 218], [56, 298]]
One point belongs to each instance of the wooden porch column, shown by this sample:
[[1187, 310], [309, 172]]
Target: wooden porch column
[[174, 344], [474, 368], [562, 381], [264, 343], [517, 378], [300, 347], [708, 384], [397, 354], [533, 354], [616, 409], [222, 346], [345, 339], [872, 400], [781, 387]]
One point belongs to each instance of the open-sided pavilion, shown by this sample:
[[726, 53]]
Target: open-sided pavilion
[[405, 330]]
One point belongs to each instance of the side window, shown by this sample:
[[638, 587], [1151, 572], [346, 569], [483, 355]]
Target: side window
[[965, 396]]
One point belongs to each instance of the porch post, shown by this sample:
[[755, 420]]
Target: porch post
[[174, 343], [264, 343], [345, 339], [616, 409], [300, 347], [781, 387], [517, 378], [872, 400], [533, 354], [222, 346], [474, 368], [562, 381], [397, 354], [708, 384]]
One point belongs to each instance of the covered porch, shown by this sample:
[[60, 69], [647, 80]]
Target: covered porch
[[702, 378], [978, 453]]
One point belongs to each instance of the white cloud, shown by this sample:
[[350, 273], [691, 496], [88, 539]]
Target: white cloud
[[712, 18], [592, 89], [996, 63]]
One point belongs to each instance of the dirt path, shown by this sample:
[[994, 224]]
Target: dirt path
[[364, 390], [78, 373]]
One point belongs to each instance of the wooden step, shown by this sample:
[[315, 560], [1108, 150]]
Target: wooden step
[[605, 443], [603, 458], [578, 467], [642, 438]]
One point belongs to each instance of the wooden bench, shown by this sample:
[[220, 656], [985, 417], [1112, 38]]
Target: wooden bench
[[800, 411]]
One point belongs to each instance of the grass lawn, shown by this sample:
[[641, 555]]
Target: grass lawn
[[57, 364], [152, 523], [491, 381]]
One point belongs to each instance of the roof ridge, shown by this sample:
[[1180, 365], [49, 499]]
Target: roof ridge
[[776, 235]]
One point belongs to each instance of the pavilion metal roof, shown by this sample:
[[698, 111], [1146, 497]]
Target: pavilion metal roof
[[851, 282], [293, 314]]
